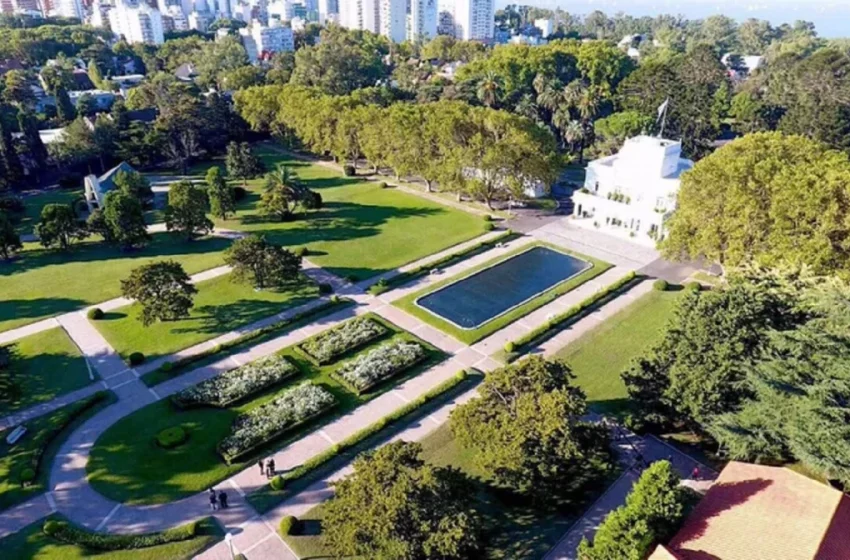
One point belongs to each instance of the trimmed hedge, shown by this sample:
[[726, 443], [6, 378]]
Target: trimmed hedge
[[348, 170], [693, 286], [66, 532], [333, 451], [169, 438], [327, 347], [556, 322], [137, 358], [660, 285], [289, 525], [169, 367], [95, 314], [384, 285]]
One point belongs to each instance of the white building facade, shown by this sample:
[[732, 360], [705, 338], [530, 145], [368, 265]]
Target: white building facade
[[467, 19], [70, 9], [422, 20], [632, 193], [264, 40], [384, 17], [137, 22]]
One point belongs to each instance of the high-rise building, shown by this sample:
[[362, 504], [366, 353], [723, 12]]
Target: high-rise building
[[137, 22], [200, 21], [261, 41], [422, 20], [392, 19], [384, 17], [100, 13], [474, 19], [70, 9], [328, 10]]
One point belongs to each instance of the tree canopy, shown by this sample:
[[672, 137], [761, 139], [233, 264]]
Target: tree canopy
[[163, 289]]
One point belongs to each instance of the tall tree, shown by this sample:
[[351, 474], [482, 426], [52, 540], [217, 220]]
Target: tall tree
[[135, 184], [222, 201], [187, 210], [163, 289], [35, 149], [283, 193], [262, 264], [527, 433], [10, 162], [125, 220], [64, 108], [10, 241], [59, 226], [394, 505], [241, 162]]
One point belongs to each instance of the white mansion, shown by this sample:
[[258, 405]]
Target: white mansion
[[632, 192]]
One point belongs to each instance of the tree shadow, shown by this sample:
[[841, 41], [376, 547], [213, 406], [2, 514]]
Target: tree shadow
[[37, 308]]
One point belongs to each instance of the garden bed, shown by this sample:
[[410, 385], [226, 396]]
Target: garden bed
[[237, 384], [376, 366], [330, 345]]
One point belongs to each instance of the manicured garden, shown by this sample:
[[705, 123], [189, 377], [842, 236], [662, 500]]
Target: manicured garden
[[469, 336], [32, 542], [362, 230], [128, 465], [221, 305], [598, 357], [46, 282], [28, 460], [44, 365]]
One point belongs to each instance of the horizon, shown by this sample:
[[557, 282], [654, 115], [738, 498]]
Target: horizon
[[831, 18]]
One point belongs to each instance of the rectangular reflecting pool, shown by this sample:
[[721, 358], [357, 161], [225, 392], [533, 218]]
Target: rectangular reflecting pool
[[474, 300]]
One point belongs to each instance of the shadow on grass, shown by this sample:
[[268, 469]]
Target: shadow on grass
[[37, 308]]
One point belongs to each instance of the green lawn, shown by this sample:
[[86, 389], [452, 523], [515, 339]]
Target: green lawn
[[44, 366], [31, 543], [362, 230], [408, 303], [47, 282], [41, 435], [598, 357], [34, 203], [512, 530], [126, 465], [221, 305]]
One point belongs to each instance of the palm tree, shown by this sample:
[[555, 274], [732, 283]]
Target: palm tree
[[527, 107], [549, 97], [572, 93], [573, 134], [283, 192], [588, 103], [488, 89], [561, 119]]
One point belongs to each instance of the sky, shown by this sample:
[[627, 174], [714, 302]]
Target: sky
[[831, 17]]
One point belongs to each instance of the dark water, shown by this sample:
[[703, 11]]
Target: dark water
[[475, 300]]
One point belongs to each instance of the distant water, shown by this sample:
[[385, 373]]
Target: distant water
[[831, 17]]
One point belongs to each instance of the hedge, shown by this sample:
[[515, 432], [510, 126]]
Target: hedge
[[289, 525], [660, 285], [137, 358], [171, 367], [556, 322], [379, 364], [95, 314], [385, 284], [332, 452], [66, 532], [328, 346]]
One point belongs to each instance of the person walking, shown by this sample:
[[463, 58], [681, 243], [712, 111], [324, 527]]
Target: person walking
[[222, 499], [270, 470], [262, 467], [695, 473], [213, 500]]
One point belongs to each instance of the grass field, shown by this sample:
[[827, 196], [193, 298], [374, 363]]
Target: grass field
[[14, 459], [34, 203], [44, 366], [31, 543], [598, 357], [408, 303], [512, 530], [221, 305], [362, 230], [47, 282], [126, 465]]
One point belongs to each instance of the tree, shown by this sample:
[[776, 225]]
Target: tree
[[526, 431], [59, 226], [488, 89], [11, 169], [780, 203], [65, 110], [283, 193], [612, 131], [135, 184], [262, 264], [124, 220], [187, 210], [17, 90], [163, 289], [653, 511], [95, 75], [394, 505], [241, 162], [35, 149], [222, 201], [10, 241]]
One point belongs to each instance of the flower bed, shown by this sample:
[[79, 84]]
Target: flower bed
[[236, 384], [379, 364], [266, 422], [326, 347]]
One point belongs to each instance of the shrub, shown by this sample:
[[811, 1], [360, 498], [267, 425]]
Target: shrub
[[12, 204], [301, 252], [488, 218], [51, 527], [348, 170], [263, 423], [326, 347], [509, 347], [289, 525], [325, 288], [488, 226], [239, 193], [95, 314], [693, 286], [167, 366], [65, 532], [277, 483], [383, 185], [352, 278], [237, 384], [137, 358], [381, 363], [660, 285], [169, 438], [27, 475], [335, 298]]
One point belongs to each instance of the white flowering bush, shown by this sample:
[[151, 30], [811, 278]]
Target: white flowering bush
[[381, 363], [236, 384], [268, 421], [324, 348]]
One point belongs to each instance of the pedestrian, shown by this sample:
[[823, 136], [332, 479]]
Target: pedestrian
[[262, 467], [222, 499], [213, 500], [695, 473], [270, 468]]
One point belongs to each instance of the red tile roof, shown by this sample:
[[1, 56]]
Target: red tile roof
[[754, 512]]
